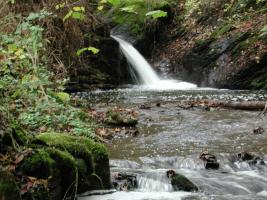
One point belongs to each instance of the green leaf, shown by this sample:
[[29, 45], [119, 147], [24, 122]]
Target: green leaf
[[263, 31], [100, 7], [12, 48], [92, 49], [78, 9], [61, 5], [78, 15], [129, 9], [156, 14], [68, 15], [114, 2], [63, 96]]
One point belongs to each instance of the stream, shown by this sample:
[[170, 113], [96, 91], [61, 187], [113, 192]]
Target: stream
[[173, 138]]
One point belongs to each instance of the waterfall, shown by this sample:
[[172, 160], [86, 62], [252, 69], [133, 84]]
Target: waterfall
[[148, 76], [154, 182]]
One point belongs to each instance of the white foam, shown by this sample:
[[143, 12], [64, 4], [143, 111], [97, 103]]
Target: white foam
[[149, 78], [139, 196]]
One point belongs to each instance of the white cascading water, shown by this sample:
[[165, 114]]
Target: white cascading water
[[156, 182], [148, 76]]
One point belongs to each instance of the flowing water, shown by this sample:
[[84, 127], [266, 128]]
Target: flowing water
[[173, 138], [148, 76]]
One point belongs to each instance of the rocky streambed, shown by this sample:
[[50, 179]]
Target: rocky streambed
[[187, 140]]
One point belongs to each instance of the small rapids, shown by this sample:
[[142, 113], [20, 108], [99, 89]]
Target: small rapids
[[173, 138]]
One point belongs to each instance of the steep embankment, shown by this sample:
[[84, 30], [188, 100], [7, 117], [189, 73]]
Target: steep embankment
[[218, 43], [48, 146]]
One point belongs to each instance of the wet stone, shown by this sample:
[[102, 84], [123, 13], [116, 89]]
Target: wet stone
[[250, 158], [124, 181], [180, 182], [145, 107], [258, 130], [210, 161]]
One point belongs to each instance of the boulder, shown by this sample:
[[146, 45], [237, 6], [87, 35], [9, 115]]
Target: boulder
[[64, 158], [210, 161], [180, 182]]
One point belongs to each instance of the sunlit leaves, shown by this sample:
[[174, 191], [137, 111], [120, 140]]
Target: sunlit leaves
[[63, 96], [61, 5], [114, 2], [155, 14], [90, 49], [129, 9], [77, 12], [264, 31]]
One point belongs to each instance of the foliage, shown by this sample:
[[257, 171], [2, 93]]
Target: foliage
[[90, 49], [27, 93], [135, 13], [264, 31]]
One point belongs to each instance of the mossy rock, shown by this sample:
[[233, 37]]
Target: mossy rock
[[39, 164], [64, 172], [119, 119], [94, 155], [8, 187], [59, 167], [180, 182]]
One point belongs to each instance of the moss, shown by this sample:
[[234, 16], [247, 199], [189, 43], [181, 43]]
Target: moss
[[95, 155], [259, 83], [78, 146], [224, 28], [118, 119], [20, 135], [65, 169], [8, 186], [180, 182], [39, 164]]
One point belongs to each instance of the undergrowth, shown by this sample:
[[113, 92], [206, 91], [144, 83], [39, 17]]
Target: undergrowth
[[29, 94]]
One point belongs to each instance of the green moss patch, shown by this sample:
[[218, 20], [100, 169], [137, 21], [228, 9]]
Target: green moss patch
[[39, 164], [94, 155], [8, 187]]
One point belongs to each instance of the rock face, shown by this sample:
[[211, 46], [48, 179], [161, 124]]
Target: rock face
[[216, 63], [217, 51], [180, 182]]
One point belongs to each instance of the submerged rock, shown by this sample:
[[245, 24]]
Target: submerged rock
[[210, 161], [258, 130], [250, 158], [118, 117], [124, 181], [145, 107], [180, 182]]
